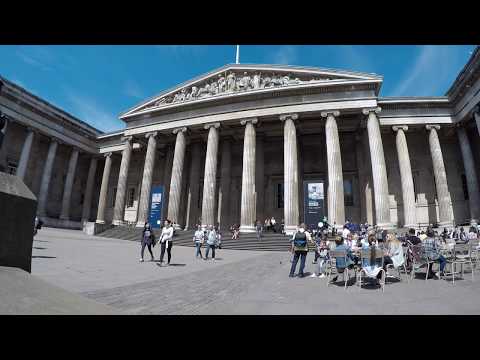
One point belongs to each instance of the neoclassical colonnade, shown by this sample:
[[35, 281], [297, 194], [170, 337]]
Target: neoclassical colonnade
[[43, 195], [248, 209]]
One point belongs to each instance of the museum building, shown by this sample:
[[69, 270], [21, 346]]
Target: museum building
[[246, 142]]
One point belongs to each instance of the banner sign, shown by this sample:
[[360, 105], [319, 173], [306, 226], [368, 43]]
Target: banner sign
[[156, 201], [314, 202]]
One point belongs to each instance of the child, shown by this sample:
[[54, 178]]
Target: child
[[322, 249]]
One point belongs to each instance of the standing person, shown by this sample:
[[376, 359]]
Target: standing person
[[258, 230], [211, 241], [274, 224], [198, 238], [267, 224], [219, 238], [166, 241], [299, 249], [147, 240], [37, 226], [322, 251]]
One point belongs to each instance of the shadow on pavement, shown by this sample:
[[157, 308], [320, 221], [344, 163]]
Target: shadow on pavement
[[39, 248], [43, 257]]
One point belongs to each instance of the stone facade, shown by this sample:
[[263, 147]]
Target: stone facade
[[232, 149]]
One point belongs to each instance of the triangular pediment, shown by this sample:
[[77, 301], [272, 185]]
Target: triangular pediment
[[239, 79]]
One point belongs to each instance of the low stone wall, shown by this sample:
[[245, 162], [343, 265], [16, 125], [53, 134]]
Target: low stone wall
[[62, 224], [92, 228]]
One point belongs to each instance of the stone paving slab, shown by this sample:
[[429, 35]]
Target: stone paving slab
[[243, 282]]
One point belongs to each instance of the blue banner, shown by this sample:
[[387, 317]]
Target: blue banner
[[156, 201], [313, 203]]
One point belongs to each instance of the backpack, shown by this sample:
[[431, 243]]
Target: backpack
[[300, 240]]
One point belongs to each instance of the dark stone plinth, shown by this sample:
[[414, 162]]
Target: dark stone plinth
[[18, 207]]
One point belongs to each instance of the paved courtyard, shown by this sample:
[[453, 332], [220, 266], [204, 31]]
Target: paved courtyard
[[240, 282]]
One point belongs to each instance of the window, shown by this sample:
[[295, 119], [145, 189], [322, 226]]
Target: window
[[465, 187], [12, 168], [348, 192], [280, 190], [130, 198], [114, 196]]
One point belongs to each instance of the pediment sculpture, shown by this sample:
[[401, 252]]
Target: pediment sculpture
[[231, 82]]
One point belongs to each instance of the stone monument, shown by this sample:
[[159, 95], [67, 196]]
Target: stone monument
[[18, 206]]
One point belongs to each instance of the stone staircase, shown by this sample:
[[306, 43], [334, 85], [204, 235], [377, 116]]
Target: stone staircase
[[269, 241]]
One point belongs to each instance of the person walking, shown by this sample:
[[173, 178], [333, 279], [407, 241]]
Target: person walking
[[299, 248], [166, 241], [198, 239], [147, 240], [211, 241], [258, 230], [37, 226]]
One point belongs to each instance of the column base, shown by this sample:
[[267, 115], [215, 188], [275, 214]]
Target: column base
[[387, 226], [100, 221], [64, 217], [410, 226], [177, 227], [290, 229], [117, 222], [474, 222], [445, 224], [247, 229]]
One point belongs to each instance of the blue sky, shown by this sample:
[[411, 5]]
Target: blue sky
[[96, 83]]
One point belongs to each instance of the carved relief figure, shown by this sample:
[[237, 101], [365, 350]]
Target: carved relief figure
[[221, 84], [213, 88], [231, 82], [256, 81]]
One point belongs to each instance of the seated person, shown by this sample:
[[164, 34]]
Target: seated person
[[394, 252], [413, 238], [340, 262], [432, 251], [371, 265]]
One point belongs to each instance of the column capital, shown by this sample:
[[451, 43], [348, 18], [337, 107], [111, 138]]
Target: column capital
[[432, 127], [108, 154], [400, 127], [334, 113], [252, 120], [284, 117], [31, 129], [55, 140], [180, 129], [376, 110], [153, 133], [214, 125], [127, 138]]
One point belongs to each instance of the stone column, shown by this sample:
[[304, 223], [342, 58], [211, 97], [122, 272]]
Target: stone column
[[476, 114], [87, 199], [471, 175], [25, 156], [47, 174], [290, 171], [260, 178], [210, 177], [406, 177], [443, 196], [167, 177], [336, 201], [379, 170], [102, 200], [225, 178], [177, 172], [193, 186], [67, 189], [247, 209], [119, 209], [144, 205]]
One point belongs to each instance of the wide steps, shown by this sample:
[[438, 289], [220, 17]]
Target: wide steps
[[249, 241]]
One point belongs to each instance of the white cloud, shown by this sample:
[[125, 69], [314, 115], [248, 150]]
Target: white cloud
[[354, 59], [286, 55], [37, 56], [132, 89], [88, 110], [430, 72]]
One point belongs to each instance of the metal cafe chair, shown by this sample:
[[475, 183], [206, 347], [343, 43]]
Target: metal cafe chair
[[461, 255], [475, 252], [365, 257], [334, 254], [420, 260], [403, 266]]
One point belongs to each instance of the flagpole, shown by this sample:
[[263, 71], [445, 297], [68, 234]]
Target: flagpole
[[237, 61]]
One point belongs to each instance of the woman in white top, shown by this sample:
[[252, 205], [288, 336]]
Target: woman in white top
[[394, 251], [166, 241]]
